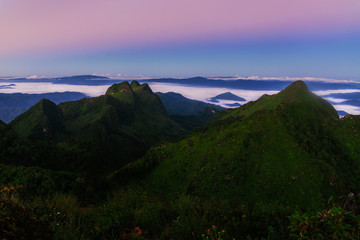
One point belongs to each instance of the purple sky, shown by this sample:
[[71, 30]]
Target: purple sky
[[318, 38]]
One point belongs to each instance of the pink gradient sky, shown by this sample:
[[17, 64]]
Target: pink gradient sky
[[57, 26]]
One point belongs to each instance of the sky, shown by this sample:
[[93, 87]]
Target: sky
[[172, 38]]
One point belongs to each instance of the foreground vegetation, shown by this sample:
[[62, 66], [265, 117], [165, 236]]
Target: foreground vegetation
[[136, 214]]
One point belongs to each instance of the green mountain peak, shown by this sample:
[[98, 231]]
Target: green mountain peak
[[297, 86], [131, 93], [141, 89], [41, 120], [134, 83], [122, 91], [145, 87], [296, 93]]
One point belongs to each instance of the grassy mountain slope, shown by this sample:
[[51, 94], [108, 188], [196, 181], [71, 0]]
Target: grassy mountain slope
[[296, 93], [281, 152], [176, 104], [2, 125]]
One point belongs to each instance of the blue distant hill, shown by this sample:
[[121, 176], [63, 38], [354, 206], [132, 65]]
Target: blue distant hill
[[90, 80], [342, 113], [233, 104], [226, 96]]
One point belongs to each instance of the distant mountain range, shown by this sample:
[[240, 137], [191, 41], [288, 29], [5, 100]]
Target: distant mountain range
[[90, 80], [192, 84], [93, 80]]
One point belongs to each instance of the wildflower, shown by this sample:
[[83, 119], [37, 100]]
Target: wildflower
[[137, 231], [58, 213], [214, 226], [5, 189]]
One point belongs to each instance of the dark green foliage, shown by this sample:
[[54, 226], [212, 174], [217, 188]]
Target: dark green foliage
[[245, 172], [92, 135], [2, 125], [17, 222], [331, 223], [189, 122], [36, 181]]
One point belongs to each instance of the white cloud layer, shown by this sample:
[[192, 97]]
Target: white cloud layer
[[203, 94], [197, 93], [335, 100], [347, 108], [327, 92]]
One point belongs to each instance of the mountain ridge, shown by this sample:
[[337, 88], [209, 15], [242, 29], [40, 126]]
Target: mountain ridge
[[120, 125], [280, 144]]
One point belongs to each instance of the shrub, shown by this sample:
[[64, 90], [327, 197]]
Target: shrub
[[332, 223], [16, 221]]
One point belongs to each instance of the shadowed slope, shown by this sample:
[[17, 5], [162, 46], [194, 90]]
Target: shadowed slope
[[100, 133], [44, 119]]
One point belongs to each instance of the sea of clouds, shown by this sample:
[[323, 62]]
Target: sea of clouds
[[201, 93]]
